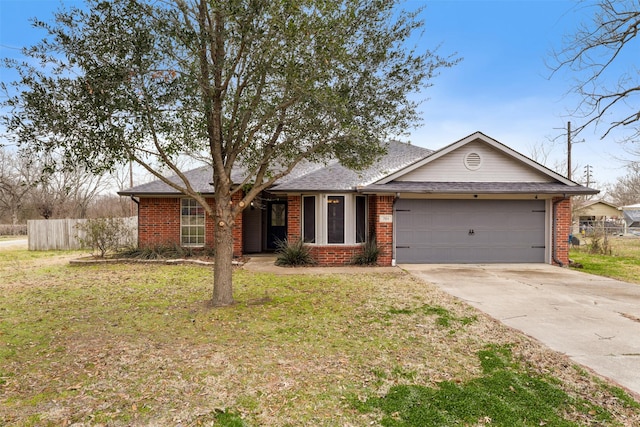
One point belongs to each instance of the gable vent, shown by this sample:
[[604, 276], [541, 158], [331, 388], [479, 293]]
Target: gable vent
[[472, 161]]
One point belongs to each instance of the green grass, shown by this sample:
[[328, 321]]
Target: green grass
[[444, 317], [138, 344], [623, 262], [506, 394]]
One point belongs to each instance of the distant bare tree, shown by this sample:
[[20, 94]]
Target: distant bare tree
[[111, 206], [67, 192], [17, 179], [541, 152], [627, 190], [609, 97]]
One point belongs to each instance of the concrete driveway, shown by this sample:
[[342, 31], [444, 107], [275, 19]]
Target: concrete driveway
[[593, 320]]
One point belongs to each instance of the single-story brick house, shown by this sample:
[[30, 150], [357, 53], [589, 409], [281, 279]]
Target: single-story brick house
[[474, 201], [596, 213]]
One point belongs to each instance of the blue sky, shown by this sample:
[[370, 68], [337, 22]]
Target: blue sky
[[501, 88]]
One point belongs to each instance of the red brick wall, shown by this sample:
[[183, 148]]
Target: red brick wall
[[159, 223], [562, 220], [343, 254], [237, 228], [383, 230], [294, 218], [334, 254], [209, 226]]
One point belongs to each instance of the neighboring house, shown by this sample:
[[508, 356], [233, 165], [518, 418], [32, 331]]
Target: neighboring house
[[474, 201], [631, 215], [591, 214]]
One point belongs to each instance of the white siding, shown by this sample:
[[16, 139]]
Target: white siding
[[495, 167]]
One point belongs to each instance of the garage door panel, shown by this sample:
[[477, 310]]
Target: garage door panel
[[469, 231]]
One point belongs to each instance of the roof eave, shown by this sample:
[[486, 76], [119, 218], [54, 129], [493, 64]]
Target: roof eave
[[163, 194]]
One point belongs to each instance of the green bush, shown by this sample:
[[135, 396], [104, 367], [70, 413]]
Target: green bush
[[104, 235], [369, 254], [599, 244], [167, 251], [295, 253]]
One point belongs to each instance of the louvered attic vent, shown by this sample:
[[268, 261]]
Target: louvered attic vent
[[472, 161]]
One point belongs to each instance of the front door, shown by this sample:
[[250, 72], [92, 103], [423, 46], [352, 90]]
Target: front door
[[276, 222]]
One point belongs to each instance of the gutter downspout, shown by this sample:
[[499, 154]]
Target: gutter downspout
[[393, 238], [554, 239]]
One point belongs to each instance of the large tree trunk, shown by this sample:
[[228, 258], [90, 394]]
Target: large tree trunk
[[223, 270]]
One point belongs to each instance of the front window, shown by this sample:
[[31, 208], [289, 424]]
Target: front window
[[335, 219], [361, 219], [191, 223], [309, 219]]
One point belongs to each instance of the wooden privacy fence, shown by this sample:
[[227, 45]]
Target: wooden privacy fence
[[63, 234]]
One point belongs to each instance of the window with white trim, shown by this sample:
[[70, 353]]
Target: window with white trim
[[334, 219], [361, 219], [191, 223], [309, 219]]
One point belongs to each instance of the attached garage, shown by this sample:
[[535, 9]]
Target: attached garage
[[470, 231]]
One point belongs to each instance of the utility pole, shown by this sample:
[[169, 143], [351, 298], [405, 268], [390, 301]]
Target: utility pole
[[569, 150], [587, 173]]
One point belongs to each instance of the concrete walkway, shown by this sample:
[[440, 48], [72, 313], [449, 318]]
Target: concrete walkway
[[17, 243], [593, 320]]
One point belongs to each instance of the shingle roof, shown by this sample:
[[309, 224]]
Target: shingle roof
[[306, 176], [320, 177], [478, 188], [335, 177], [200, 178]]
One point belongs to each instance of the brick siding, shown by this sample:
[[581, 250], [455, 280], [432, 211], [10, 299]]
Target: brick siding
[[159, 223], [383, 230], [294, 218], [335, 255], [562, 212]]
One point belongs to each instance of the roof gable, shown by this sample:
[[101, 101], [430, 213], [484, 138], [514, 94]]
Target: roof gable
[[598, 208], [476, 158]]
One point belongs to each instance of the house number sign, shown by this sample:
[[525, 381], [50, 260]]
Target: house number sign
[[386, 218]]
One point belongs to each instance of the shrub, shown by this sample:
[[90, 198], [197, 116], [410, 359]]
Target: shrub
[[295, 253], [167, 251], [369, 254], [104, 235], [13, 230], [599, 244]]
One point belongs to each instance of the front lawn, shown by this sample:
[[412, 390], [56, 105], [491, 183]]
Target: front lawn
[[138, 345], [621, 259]]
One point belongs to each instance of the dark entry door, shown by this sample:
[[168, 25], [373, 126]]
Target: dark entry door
[[276, 222]]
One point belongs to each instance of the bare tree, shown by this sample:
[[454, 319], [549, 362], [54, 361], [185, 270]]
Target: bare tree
[[541, 153], [610, 97], [18, 177], [60, 191], [627, 190]]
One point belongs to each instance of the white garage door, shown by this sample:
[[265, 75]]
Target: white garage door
[[470, 231]]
